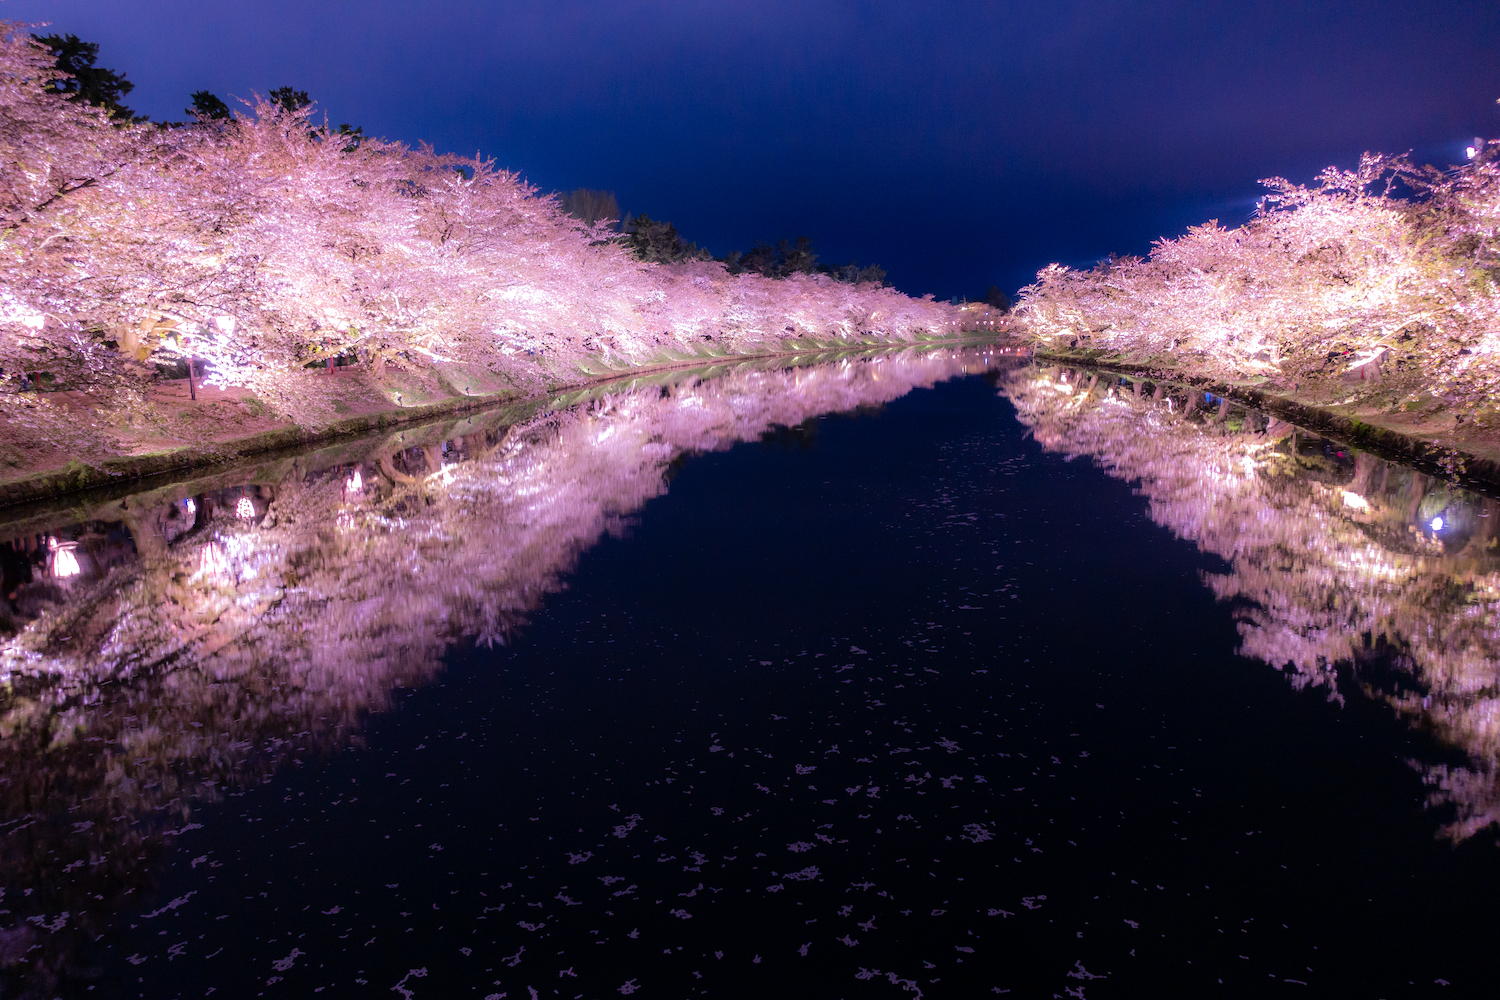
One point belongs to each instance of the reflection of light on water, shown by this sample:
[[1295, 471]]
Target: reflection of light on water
[[299, 630], [213, 562], [1336, 573], [64, 562], [245, 510]]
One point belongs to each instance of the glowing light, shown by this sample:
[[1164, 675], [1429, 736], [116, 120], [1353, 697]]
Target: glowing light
[[1437, 524], [245, 510], [1471, 152], [1355, 501], [64, 562], [214, 562], [356, 482], [224, 323]]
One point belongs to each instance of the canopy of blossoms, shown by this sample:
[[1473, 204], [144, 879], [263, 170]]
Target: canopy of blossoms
[[1390, 270], [266, 243]]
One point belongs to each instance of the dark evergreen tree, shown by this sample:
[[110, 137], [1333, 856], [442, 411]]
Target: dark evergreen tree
[[790, 257], [795, 257], [760, 259], [289, 100], [353, 135], [658, 242], [590, 206], [86, 82], [207, 107]]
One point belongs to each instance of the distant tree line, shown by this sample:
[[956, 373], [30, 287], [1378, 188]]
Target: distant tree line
[[996, 299], [659, 243]]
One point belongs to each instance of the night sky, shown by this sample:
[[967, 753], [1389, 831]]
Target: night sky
[[956, 144]]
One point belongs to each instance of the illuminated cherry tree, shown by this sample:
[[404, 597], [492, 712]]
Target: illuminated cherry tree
[[267, 244], [1388, 275]]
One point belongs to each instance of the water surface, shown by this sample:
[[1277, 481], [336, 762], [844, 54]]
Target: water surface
[[926, 673]]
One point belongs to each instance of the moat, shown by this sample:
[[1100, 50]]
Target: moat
[[926, 673]]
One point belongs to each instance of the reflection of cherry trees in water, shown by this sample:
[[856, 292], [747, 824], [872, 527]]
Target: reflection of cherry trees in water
[[1337, 559], [209, 638]]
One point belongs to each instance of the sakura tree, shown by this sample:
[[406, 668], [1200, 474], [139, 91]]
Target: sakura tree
[[1389, 271], [264, 244]]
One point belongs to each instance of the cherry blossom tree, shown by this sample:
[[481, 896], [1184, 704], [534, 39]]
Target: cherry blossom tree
[[264, 243], [1388, 274]]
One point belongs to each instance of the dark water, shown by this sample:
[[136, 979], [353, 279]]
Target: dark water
[[763, 695]]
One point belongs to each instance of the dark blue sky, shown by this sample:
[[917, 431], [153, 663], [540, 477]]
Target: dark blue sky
[[955, 144]]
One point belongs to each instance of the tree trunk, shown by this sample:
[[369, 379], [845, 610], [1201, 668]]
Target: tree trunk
[[1489, 521], [1416, 492], [1365, 465], [392, 473]]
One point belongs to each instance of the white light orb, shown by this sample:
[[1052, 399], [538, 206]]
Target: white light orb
[[65, 563]]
